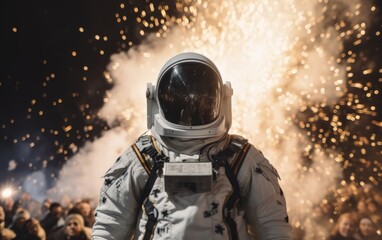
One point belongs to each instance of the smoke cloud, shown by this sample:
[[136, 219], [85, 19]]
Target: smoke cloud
[[280, 56]]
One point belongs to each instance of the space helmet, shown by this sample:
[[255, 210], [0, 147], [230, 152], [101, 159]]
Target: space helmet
[[189, 99]]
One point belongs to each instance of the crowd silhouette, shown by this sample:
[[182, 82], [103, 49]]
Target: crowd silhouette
[[24, 218], [350, 212]]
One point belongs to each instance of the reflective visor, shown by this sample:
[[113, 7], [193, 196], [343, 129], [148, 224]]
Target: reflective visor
[[189, 94]]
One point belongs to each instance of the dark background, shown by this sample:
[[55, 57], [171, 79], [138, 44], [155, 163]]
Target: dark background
[[48, 97]]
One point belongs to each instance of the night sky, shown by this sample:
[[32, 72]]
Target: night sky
[[52, 77], [53, 84]]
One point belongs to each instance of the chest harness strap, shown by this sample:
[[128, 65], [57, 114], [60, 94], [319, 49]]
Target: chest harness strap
[[154, 168], [238, 149], [153, 162]]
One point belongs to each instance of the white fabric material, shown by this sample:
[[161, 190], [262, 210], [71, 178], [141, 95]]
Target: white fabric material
[[262, 211], [185, 146]]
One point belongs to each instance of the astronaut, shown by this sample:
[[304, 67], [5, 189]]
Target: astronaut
[[188, 178]]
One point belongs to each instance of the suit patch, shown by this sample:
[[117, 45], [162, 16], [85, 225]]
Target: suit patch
[[165, 213], [219, 229], [212, 211], [162, 230], [118, 184], [155, 192], [108, 181]]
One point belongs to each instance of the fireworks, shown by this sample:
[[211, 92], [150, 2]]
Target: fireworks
[[298, 62], [306, 76], [306, 84]]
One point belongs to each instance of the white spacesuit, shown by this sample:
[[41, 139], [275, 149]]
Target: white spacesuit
[[190, 179]]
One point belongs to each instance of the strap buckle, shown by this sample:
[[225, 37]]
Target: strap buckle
[[151, 211]]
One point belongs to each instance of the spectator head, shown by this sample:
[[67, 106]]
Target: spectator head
[[25, 197], [7, 203], [74, 210], [2, 218], [366, 227], [84, 208], [5, 234], [372, 206], [361, 206], [378, 197], [46, 203], [345, 225], [74, 225], [20, 218], [34, 228], [56, 209]]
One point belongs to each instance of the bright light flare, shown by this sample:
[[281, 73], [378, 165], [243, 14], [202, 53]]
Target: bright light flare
[[7, 192]]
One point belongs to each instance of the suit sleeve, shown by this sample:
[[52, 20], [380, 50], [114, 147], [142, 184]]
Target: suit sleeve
[[116, 213], [263, 199]]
